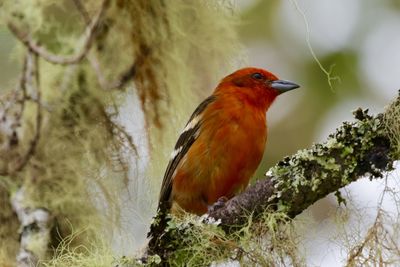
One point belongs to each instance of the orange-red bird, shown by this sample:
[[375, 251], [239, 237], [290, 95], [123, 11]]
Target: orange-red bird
[[222, 144]]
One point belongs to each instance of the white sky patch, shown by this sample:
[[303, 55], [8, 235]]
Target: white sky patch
[[344, 112], [332, 23], [325, 242], [134, 202], [380, 56]]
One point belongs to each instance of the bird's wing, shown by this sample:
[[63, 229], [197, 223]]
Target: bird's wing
[[185, 141]]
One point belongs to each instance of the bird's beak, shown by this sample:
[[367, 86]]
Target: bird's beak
[[283, 86]]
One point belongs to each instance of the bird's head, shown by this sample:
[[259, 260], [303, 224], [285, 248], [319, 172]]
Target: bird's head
[[258, 86]]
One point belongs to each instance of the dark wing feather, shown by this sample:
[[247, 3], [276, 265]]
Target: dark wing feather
[[185, 141]]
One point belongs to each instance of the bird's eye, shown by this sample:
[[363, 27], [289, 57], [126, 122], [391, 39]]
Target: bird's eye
[[258, 76]]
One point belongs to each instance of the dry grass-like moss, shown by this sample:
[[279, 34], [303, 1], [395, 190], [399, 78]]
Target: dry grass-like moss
[[170, 50], [271, 241], [8, 228], [392, 125], [96, 254]]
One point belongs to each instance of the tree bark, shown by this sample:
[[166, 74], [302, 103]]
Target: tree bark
[[355, 150], [35, 233]]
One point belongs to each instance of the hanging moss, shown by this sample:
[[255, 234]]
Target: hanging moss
[[8, 227], [392, 125], [165, 52], [198, 241]]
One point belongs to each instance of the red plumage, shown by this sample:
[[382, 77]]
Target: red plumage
[[223, 142]]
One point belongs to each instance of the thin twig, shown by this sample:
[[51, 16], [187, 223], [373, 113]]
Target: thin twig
[[125, 77], [81, 8], [41, 51], [32, 70], [12, 118], [93, 60], [116, 129], [22, 87], [376, 235]]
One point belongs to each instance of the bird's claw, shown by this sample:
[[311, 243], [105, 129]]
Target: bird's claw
[[220, 203]]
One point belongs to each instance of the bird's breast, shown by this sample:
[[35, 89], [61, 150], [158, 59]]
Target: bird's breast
[[233, 150], [223, 158]]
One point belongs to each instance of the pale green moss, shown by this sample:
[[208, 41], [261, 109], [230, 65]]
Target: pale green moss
[[392, 125], [90, 255], [335, 163], [8, 228], [264, 242], [356, 149], [72, 173]]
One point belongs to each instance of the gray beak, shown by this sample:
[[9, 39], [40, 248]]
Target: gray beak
[[283, 86]]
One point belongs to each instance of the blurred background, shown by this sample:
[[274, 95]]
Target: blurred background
[[356, 64], [358, 43]]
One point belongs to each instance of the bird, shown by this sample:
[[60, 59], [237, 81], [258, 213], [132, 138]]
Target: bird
[[222, 144]]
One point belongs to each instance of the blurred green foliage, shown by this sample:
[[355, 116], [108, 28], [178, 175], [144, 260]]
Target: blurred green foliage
[[262, 25], [8, 66]]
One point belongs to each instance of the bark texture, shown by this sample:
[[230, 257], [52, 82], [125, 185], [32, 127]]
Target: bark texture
[[357, 149], [36, 225]]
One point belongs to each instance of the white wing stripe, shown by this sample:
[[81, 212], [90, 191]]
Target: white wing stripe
[[192, 123], [176, 152]]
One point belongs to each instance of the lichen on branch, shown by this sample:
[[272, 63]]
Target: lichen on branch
[[357, 149], [353, 151]]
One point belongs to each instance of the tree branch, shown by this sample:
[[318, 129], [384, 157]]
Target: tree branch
[[11, 119], [33, 69], [125, 77], [355, 150], [36, 226], [88, 37]]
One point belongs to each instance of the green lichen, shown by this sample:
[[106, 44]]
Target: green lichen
[[356, 149], [392, 125], [310, 174], [200, 242]]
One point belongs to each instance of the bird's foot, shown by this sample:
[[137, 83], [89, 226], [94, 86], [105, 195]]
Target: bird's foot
[[217, 205]]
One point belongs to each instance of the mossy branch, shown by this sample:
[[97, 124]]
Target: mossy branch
[[41, 51], [35, 231], [355, 150]]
